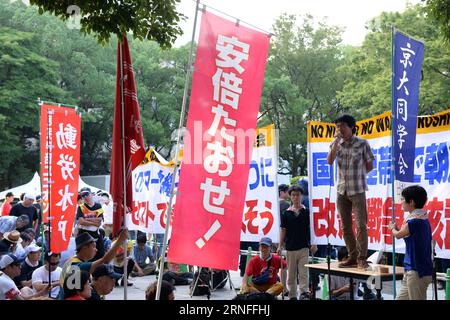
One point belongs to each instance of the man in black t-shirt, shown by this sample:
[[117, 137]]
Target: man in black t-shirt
[[295, 234], [90, 218], [26, 207]]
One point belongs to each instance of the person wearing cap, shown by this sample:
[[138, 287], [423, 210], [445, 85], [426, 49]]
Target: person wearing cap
[[10, 223], [89, 219], [119, 262], [40, 279], [264, 263], [9, 242], [26, 208], [31, 263], [10, 268], [295, 235], [104, 279], [6, 206], [85, 251]]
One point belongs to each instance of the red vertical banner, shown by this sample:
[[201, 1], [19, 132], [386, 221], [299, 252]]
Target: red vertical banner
[[60, 170], [134, 141], [224, 104]]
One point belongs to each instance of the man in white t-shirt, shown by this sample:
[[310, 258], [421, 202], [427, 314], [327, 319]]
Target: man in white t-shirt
[[39, 279], [9, 269]]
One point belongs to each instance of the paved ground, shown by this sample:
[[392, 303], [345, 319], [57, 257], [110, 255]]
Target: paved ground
[[137, 291]]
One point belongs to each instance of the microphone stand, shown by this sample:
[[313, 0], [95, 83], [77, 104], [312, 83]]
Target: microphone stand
[[328, 228], [329, 244]]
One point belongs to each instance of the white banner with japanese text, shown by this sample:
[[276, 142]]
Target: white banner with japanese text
[[152, 182], [261, 214]]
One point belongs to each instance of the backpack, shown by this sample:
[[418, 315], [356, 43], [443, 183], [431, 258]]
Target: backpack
[[202, 285], [219, 279], [264, 277]]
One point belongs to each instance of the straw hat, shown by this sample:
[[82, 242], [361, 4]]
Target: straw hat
[[13, 236]]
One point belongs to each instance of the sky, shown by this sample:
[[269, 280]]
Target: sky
[[350, 14]]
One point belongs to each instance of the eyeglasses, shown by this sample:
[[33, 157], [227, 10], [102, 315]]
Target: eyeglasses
[[54, 263]]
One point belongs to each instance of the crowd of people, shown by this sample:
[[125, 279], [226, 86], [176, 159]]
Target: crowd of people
[[90, 269], [95, 262]]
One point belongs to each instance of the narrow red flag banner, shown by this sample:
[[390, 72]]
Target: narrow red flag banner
[[224, 104], [133, 138], [60, 171]]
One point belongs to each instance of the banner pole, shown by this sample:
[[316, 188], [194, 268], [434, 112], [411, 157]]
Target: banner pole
[[393, 159], [49, 148], [175, 168], [278, 207], [124, 175]]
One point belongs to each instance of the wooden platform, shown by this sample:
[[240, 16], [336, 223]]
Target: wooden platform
[[372, 273]]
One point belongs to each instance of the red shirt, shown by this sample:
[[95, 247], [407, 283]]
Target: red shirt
[[6, 208], [256, 266]]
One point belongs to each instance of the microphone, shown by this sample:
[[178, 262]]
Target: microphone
[[337, 138]]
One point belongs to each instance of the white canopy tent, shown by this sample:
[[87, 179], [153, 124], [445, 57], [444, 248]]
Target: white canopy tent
[[34, 187]]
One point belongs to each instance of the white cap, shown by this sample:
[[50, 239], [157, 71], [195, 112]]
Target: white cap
[[32, 248], [7, 259], [29, 196]]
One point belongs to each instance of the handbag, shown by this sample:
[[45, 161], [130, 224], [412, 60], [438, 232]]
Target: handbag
[[264, 277]]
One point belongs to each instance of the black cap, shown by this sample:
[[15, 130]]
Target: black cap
[[105, 270], [83, 239], [84, 191]]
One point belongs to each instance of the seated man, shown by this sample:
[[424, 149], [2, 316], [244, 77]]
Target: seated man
[[9, 269], [263, 269], [141, 252], [119, 263], [31, 263], [340, 286], [41, 278], [174, 274]]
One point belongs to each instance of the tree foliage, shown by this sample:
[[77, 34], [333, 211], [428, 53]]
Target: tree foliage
[[367, 69], [40, 57], [300, 83], [439, 10], [146, 19]]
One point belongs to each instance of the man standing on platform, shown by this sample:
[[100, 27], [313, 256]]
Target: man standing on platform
[[355, 160]]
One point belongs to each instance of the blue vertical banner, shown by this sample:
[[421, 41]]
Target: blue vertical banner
[[407, 65]]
